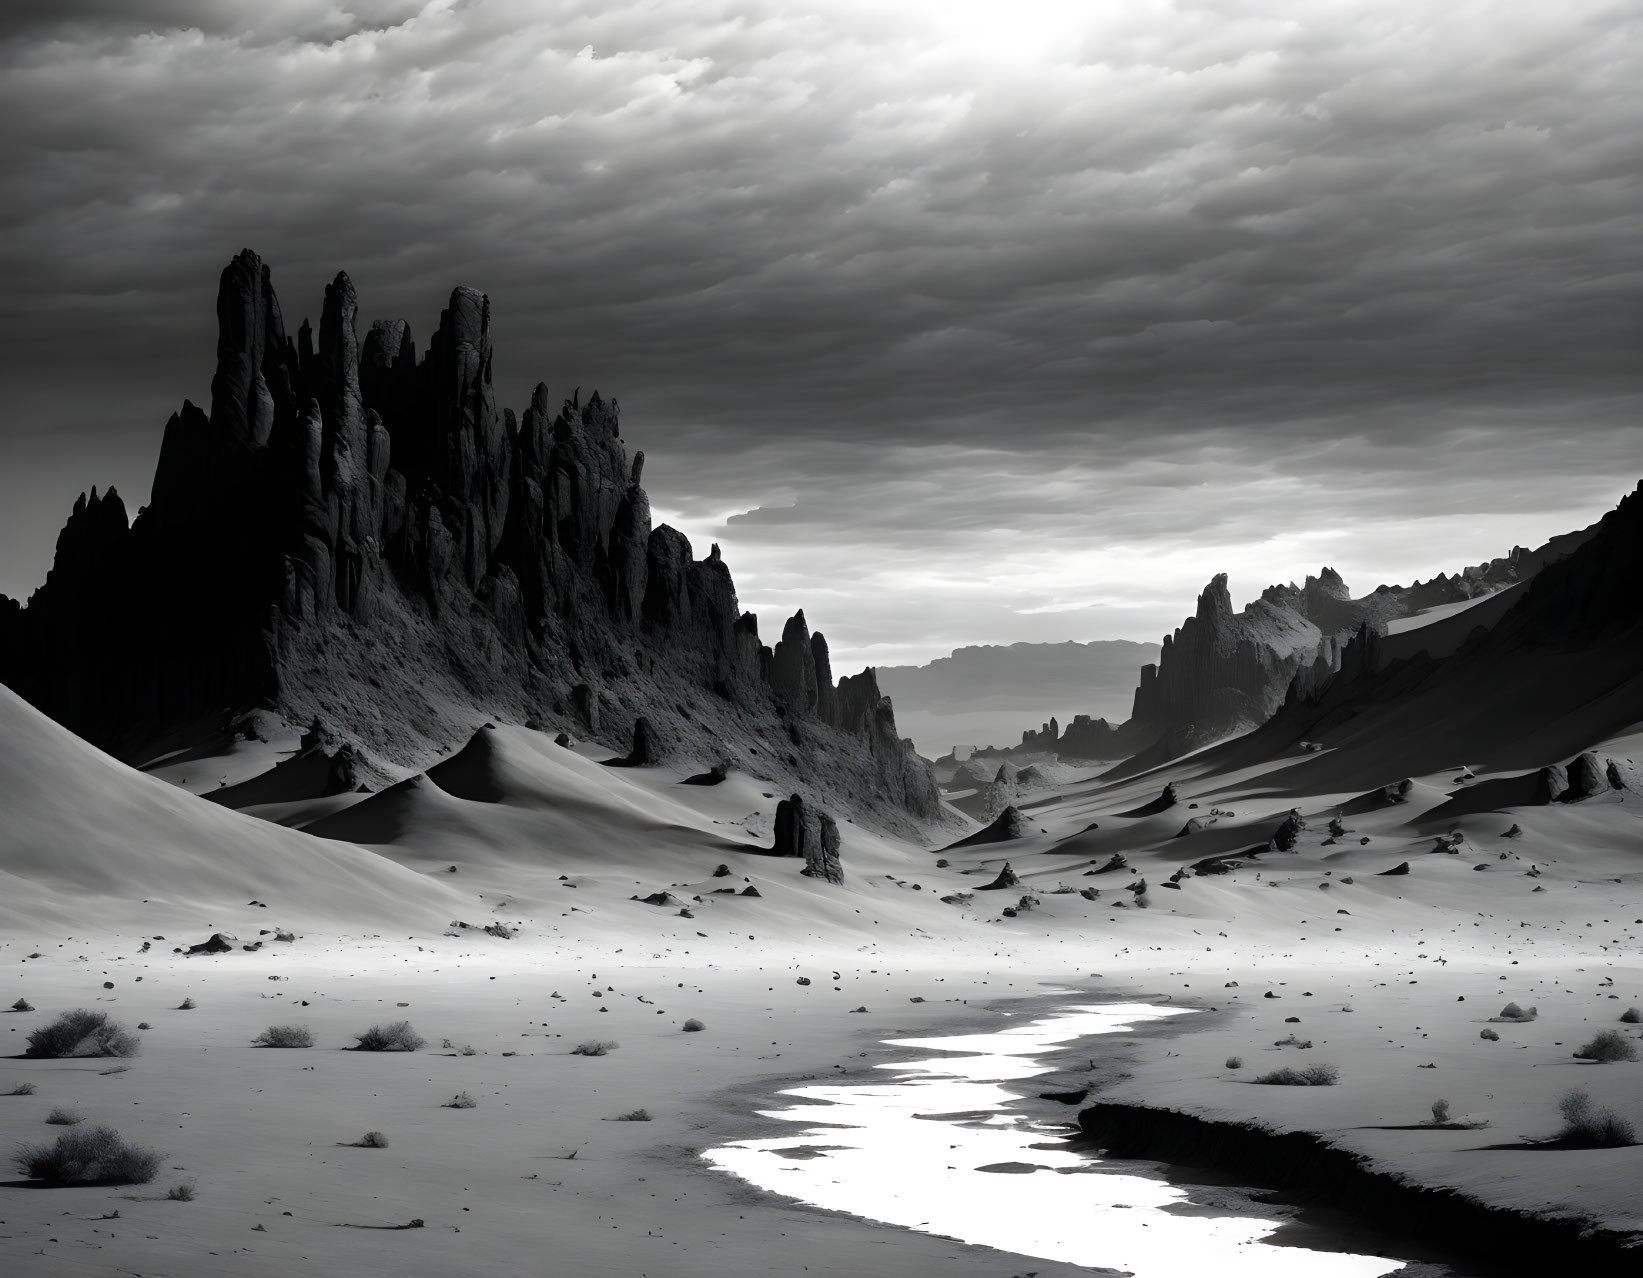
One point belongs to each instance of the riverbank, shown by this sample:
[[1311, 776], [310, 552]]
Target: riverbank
[[541, 1164]]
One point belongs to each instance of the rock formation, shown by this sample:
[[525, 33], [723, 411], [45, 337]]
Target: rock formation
[[1288, 834], [364, 535], [1555, 672], [1006, 879], [1007, 826], [804, 830], [1224, 672], [645, 752]]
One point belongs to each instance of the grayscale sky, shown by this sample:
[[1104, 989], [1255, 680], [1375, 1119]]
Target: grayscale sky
[[954, 322]]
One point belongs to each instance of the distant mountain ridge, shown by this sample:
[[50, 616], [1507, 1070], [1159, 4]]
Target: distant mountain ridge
[[1223, 672], [363, 537], [998, 684]]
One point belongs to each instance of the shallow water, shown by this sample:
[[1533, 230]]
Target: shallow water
[[907, 1151]]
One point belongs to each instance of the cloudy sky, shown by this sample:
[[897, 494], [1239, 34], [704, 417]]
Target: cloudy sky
[[954, 321]]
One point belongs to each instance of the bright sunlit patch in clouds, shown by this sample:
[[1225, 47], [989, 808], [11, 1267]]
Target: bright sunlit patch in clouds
[[1019, 28]]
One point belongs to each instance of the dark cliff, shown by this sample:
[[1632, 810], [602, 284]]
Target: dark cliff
[[360, 535]]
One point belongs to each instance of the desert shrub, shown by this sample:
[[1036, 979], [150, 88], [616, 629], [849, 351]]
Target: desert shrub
[[461, 1101], [1311, 1076], [1292, 1041], [595, 1047], [1440, 1111], [1585, 1124], [1512, 1012], [1607, 1046], [1489, 1034], [693, 1026], [88, 1156], [22, 1005], [398, 1036], [187, 1005], [372, 1140], [182, 1192], [1235, 1062], [285, 1036], [21, 1089], [1632, 1015], [82, 1033], [634, 1116], [63, 1116]]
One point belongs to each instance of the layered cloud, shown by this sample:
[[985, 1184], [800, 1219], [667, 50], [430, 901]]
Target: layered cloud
[[954, 327]]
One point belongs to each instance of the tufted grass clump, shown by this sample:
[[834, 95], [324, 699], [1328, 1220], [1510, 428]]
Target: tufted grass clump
[[182, 1192], [1606, 1047], [633, 1116], [1632, 1015], [88, 1156], [372, 1140], [461, 1101], [82, 1033], [693, 1026], [285, 1036], [22, 1005], [1440, 1112], [397, 1036], [21, 1089], [595, 1047], [1235, 1062], [62, 1116], [1311, 1076], [1590, 1127], [187, 1005]]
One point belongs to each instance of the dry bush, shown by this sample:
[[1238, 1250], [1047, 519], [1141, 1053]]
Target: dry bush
[[1512, 1012], [1235, 1062], [1585, 1124], [285, 1036], [1440, 1111], [595, 1047], [398, 1036], [62, 1116], [372, 1140], [82, 1033], [633, 1116], [182, 1192], [88, 1156], [187, 1005], [693, 1026], [22, 1089], [1632, 1015], [1607, 1046], [1489, 1034], [461, 1101], [1311, 1076], [22, 1005]]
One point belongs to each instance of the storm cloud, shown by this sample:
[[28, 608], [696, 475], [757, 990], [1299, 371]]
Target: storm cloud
[[952, 322]]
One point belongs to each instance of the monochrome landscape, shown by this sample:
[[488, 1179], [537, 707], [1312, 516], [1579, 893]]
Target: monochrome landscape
[[1175, 805]]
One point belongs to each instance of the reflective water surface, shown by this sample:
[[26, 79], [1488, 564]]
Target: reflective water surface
[[909, 1151]]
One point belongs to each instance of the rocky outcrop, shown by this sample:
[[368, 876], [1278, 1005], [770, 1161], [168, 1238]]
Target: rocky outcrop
[[1006, 879], [1167, 798], [1007, 826], [1288, 834], [1555, 672], [1586, 778], [1224, 672], [365, 535], [804, 830], [646, 751]]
